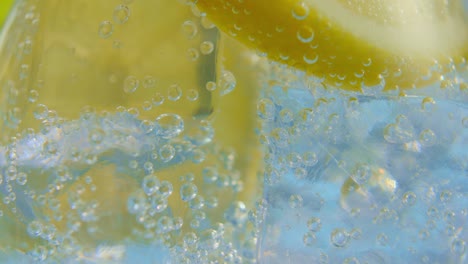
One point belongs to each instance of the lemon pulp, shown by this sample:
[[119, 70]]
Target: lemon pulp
[[351, 44]]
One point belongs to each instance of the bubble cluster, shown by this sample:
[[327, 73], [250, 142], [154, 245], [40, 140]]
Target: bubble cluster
[[368, 169]]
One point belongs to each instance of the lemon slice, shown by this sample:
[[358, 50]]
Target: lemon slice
[[351, 43]]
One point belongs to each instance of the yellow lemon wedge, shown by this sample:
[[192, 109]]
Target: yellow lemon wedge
[[351, 43]]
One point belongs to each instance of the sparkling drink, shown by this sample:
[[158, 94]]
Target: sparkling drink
[[119, 140], [363, 178], [363, 108], [129, 131]]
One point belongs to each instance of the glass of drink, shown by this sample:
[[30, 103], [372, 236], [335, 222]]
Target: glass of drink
[[364, 112], [121, 139]]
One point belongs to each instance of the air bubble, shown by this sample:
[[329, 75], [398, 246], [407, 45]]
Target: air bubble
[[210, 86], [309, 158], [190, 239], [165, 189], [300, 10], [458, 246], [159, 203], [147, 105], [193, 54], [286, 116], [158, 99], [121, 14], [206, 47], [314, 224], [427, 138], [33, 96], [190, 29], [106, 28], [339, 237], [131, 84], [198, 156], [409, 198], [295, 201], [174, 92], [167, 153], [361, 173], [169, 125], [21, 178], [50, 148], [149, 82], [465, 122], [227, 83], [192, 95], [40, 112], [445, 196], [382, 239], [197, 203], [165, 224], [309, 238], [188, 191], [150, 184], [266, 109], [236, 214], [305, 34], [311, 59], [210, 174], [34, 228]]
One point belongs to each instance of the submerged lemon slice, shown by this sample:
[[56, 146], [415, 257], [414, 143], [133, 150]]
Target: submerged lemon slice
[[351, 43]]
